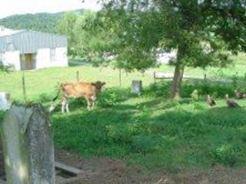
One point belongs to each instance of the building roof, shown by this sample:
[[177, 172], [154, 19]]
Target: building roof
[[6, 32], [30, 41]]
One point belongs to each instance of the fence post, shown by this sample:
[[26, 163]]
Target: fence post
[[5, 102], [28, 145], [136, 87], [120, 77], [205, 76], [154, 77], [24, 86], [77, 76]]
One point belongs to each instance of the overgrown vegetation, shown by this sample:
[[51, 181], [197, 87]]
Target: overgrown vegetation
[[150, 130], [156, 133]]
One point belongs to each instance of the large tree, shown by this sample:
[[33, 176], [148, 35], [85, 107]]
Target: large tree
[[202, 31]]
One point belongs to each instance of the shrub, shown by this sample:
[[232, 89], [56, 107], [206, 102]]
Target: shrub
[[158, 89], [219, 89], [192, 88], [227, 154], [113, 96], [44, 98], [119, 133]]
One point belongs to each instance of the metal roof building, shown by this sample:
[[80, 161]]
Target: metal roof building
[[31, 41], [27, 50]]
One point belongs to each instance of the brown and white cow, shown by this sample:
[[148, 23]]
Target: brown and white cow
[[87, 90]]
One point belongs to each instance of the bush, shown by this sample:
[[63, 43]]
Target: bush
[[119, 133], [44, 98], [227, 154], [219, 89], [201, 87], [113, 96], [158, 89]]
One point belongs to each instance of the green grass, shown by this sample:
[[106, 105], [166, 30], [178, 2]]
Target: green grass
[[150, 130], [156, 132]]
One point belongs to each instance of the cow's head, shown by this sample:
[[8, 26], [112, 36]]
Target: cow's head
[[98, 85]]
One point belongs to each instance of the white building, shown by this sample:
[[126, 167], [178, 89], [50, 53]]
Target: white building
[[28, 50], [166, 57]]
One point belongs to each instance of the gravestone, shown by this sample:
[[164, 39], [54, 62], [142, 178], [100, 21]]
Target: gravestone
[[136, 87], [4, 101], [28, 145]]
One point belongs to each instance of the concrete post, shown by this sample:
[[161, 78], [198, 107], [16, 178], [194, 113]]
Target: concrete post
[[136, 87], [28, 146], [4, 101]]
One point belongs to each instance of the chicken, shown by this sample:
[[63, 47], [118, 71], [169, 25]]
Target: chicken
[[239, 95], [210, 101], [230, 102]]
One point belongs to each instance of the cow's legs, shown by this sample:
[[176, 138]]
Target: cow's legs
[[92, 104], [67, 106], [88, 103], [93, 99], [63, 104]]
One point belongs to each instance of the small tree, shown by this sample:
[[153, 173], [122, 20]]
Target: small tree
[[200, 30], [67, 26]]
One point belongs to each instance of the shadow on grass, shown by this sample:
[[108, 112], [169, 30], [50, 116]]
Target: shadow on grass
[[215, 88], [171, 139]]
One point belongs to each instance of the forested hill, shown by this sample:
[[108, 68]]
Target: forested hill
[[44, 22]]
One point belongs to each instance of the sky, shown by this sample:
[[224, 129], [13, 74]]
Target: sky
[[12, 7]]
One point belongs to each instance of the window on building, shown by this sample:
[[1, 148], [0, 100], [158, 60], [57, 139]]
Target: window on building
[[52, 54]]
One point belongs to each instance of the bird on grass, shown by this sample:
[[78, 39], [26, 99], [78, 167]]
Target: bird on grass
[[210, 101], [230, 102], [239, 95]]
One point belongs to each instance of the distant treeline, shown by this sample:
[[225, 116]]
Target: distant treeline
[[44, 22]]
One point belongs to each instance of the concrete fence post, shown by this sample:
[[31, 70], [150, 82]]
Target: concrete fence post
[[4, 101], [136, 87], [24, 87], [28, 145]]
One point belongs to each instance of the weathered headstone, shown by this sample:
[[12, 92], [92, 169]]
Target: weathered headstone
[[136, 87], [28, 145], [4, 101]]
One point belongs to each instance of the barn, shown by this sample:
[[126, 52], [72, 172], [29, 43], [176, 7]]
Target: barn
[[29, 50]]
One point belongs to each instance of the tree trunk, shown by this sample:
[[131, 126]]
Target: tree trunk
[[177, 80], [178, 73]]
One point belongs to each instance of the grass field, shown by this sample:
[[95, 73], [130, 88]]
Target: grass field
[[150, 129]]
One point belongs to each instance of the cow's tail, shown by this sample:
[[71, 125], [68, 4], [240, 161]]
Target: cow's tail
[[53, 105], [57, 95]]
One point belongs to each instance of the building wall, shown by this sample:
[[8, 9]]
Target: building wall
[[45, 60], [11, 59]]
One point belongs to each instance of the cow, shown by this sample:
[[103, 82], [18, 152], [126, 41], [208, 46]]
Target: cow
[[87, 90]]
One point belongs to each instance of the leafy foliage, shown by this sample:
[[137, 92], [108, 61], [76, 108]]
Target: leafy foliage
[[198, 30]]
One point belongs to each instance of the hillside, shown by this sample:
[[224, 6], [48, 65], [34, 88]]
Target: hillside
[[45, 22]]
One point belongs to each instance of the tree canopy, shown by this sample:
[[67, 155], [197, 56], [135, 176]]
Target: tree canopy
[[202, 31], [133, 32]]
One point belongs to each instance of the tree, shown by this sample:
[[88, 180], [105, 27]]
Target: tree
[[66, 26], [87, 36], [202, 31]]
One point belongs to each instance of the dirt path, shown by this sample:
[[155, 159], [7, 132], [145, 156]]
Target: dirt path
[[108, 171]]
